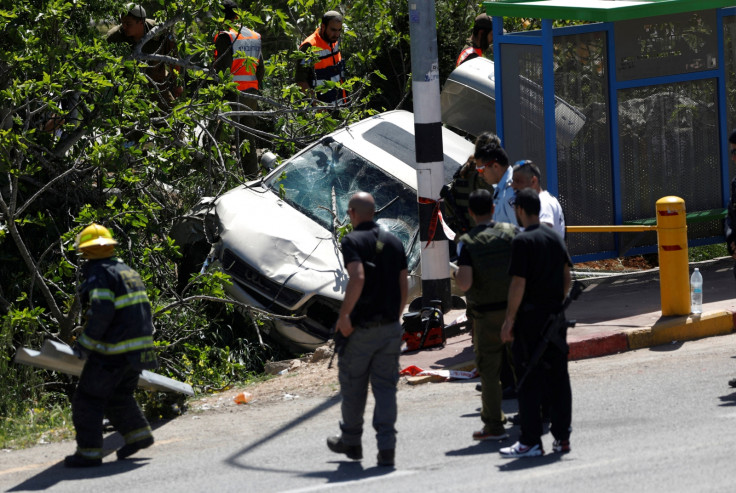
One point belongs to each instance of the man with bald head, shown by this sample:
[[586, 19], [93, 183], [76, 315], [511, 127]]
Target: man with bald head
[[369, 318]]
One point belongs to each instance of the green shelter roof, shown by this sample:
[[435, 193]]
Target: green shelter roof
[[597, 10]]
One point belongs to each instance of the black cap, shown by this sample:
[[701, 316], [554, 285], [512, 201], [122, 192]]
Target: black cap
[[483, 21], [229, 7], [135, 10]]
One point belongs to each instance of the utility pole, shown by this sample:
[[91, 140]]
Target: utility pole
[[429, 153]]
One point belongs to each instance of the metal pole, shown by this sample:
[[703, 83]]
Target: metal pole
[[429, 153], [674, 284]]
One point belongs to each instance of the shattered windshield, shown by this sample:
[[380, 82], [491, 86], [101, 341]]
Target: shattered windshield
[[320, 182]]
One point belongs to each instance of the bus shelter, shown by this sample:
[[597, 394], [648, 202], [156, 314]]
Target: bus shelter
[[621, 103]]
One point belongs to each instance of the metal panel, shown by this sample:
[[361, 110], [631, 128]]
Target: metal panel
[[669, 146], [523, 116], [584, 163], [666, 45]]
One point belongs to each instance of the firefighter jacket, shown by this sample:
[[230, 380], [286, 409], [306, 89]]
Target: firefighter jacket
[[248, 42], [329, 67], [468, 54], [489, 246], [119, 324]]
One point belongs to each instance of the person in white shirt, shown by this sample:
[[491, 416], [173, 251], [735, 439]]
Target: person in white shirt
[[526, 174]]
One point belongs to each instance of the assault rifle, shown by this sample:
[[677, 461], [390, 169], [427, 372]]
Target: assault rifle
[[554, 331], [340, 342]]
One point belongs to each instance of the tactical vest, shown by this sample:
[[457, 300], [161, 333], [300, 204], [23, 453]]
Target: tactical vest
[[490, 253], [457, 202], [248, 42]]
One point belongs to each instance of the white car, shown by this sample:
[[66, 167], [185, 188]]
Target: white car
[[278, 237]]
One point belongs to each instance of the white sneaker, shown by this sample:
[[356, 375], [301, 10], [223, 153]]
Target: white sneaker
[[520, 450]]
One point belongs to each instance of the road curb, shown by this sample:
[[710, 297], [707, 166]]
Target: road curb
[[598, 346], [682, 329]]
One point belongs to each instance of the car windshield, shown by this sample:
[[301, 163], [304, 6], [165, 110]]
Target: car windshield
[[320, 182]]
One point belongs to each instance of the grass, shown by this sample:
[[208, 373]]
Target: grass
[[707, 252], [36, 426]]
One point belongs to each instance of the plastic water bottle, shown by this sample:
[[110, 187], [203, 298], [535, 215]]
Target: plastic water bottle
[[696, 292]]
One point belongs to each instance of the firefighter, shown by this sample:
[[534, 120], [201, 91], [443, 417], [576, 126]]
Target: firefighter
[[117, 343]]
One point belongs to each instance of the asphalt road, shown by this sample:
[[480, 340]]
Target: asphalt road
[[659, 419]]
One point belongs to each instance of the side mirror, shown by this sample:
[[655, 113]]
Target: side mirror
[[269, 160]]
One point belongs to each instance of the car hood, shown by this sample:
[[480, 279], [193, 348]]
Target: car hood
[[281, 243]]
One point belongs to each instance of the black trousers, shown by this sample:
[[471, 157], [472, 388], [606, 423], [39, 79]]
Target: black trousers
[[106, 389], [547, 382]]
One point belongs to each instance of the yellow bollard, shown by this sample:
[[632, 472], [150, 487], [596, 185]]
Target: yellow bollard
[[674, 282]]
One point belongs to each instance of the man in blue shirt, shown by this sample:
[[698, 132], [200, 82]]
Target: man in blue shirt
[[492, 163]]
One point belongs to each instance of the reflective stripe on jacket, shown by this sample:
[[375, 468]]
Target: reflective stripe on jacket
[[119, 320], [249, 42], [329, 67], [466, 55]]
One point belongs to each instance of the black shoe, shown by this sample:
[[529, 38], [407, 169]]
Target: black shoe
[[732, 382], [79, 461], [336, 444], [386, 457], [515, 420], [478, 387], [131, 448]]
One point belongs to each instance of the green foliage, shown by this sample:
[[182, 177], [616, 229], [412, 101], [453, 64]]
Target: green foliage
[[95, 131], [707, 252]]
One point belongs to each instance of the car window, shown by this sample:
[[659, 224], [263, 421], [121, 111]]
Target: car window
[[320, 182]]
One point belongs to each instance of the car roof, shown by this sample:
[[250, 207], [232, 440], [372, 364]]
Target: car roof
[[387, 140]]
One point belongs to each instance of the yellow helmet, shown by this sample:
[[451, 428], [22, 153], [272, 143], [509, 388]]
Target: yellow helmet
[[95, 241]]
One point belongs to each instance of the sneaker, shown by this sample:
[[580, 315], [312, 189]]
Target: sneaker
[[520, 450], [386, 457], [131, 448], [732, 382], [486, 435], [80, 461], [336, 444], [561, 446]]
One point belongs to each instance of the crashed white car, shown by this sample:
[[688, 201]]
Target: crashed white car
[[278, 237]]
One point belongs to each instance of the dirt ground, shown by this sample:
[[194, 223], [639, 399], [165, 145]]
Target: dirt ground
[[638, 262], [310, 377]]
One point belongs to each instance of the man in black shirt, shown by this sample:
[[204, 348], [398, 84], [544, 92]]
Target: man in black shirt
[[369, 317], [540, 279]]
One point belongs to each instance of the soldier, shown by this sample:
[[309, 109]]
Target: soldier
[[117, 341], [483, 261]]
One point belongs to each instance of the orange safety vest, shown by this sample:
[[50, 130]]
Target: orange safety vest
[[329, 67], [249, 42], [467, 52]]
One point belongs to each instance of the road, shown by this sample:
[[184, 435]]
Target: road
[[659, 419]]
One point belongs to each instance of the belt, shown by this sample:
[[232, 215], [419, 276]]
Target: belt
[[489, 307], [372, 324]]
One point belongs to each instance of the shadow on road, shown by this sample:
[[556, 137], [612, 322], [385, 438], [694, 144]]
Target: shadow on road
[[234, 460], [57, 473], [350, 471], [529, 462]]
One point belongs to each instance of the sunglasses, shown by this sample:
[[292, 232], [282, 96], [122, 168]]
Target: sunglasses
[[523, 162], [733, 151], [481, 168]]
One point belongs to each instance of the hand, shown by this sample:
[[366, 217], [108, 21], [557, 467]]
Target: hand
[[345, 325], [507, 331]]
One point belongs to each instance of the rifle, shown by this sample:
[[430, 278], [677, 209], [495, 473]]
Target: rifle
[[555, 324], [340, 342]]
